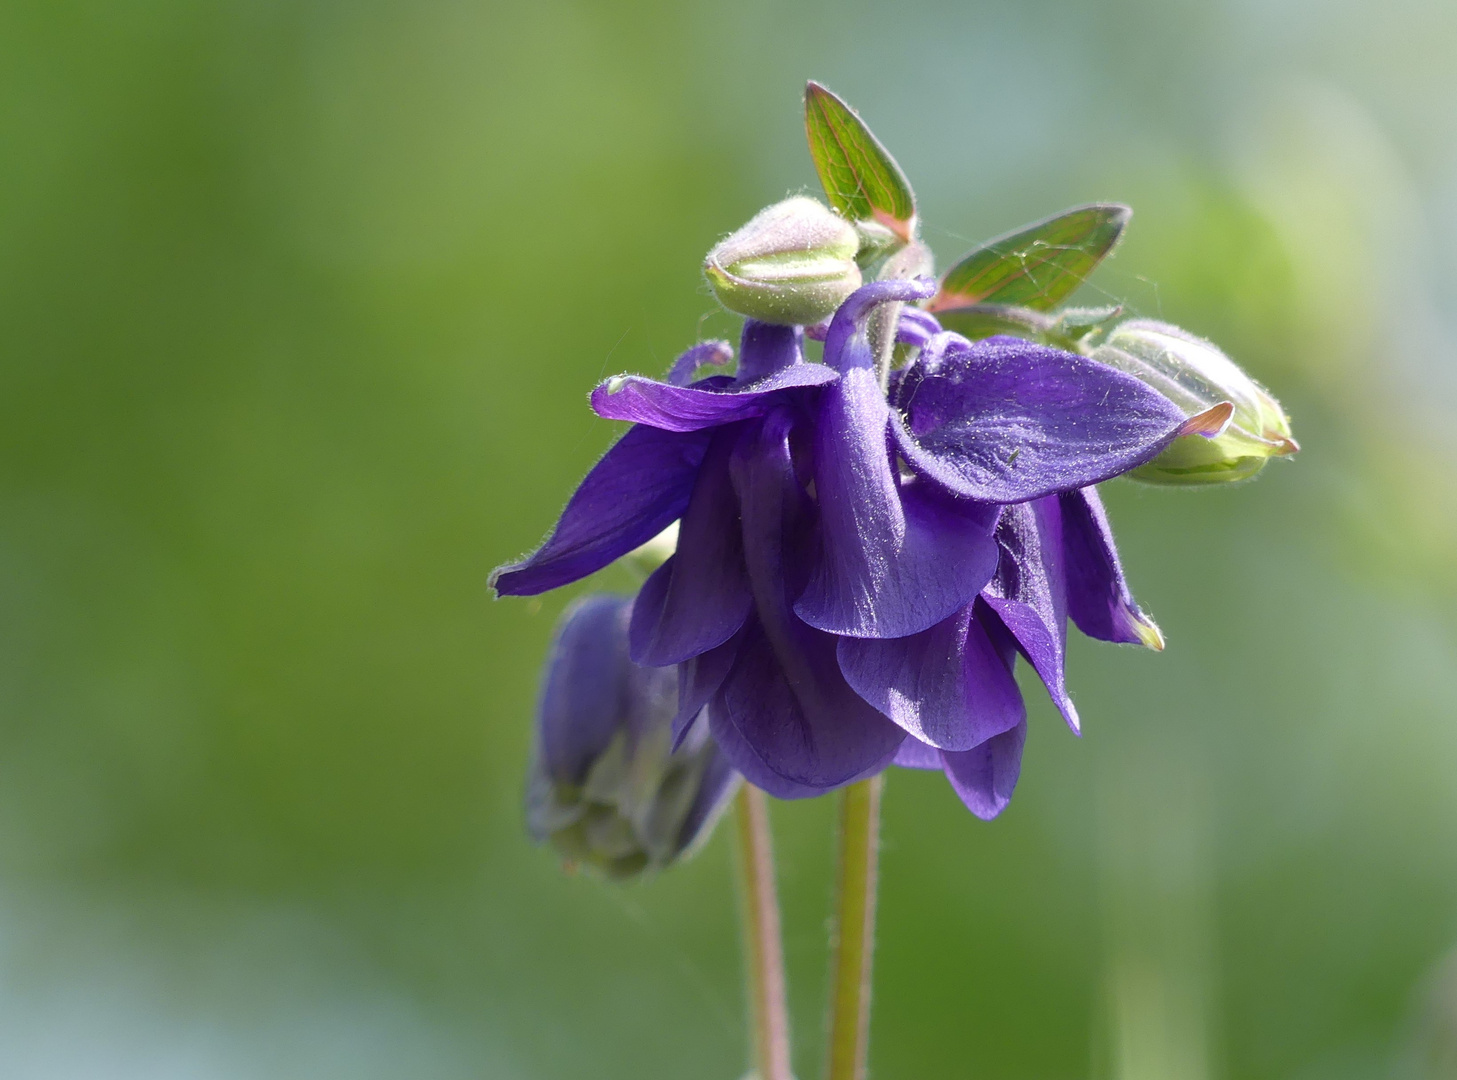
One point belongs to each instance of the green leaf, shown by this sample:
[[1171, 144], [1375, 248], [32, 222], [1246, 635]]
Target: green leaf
[[1036, 266], [859, 176], [983, 320]]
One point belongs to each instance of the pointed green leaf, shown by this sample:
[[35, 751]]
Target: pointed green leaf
[[860, 178], [1036, 266]]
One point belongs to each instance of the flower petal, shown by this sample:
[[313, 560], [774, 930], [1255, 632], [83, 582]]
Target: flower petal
[[689, 408], [946, 686], [1029, 593], [1098, 598], [698, 680], [914, 754], [894, 559], [641, 485], [1008, 421], [785, 710], [985, 777], [699, 597]]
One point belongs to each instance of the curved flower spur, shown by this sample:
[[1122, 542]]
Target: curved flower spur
[[867, 543]]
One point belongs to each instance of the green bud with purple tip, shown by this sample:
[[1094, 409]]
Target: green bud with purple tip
[[792, 264], [1195, 375]]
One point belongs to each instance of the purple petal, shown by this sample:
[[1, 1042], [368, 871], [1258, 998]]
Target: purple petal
[[785, 710], [1029, 593], [716, 353], [946, 686], [584, 692], [1098, 599], [699, 597], [985, 777], [894, 559], [689, 408], [698, 680], [641, 485], [914, 754], [1008, 421]]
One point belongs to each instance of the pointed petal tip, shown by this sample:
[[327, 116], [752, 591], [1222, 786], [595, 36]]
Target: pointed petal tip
[[1149, 635], [1211, 423], [1288, 446]]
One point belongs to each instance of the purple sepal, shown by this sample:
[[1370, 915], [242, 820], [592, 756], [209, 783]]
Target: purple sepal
[[689, 408], [946, 686], [641, 485], [1098, 598], [699, 597], [985, 777], [1007, 421], [1029, 593], [895, 558], [785, 710]]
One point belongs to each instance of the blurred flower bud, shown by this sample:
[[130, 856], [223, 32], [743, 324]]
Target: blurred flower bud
[[792, 264], [1195, 375], [605, 788]]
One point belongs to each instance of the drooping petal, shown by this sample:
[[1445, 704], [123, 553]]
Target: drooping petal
[[1007, 421], [584, 690], [1029, 593], [640, 486], [946, 686], [698, 680], [699, 597], [689, 408], [894, 558], [1098, 598], [716, 353], [914, 754], [985, 777], [785, 709]]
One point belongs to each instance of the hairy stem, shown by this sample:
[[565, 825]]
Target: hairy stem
[[854, 930], [763, 949]]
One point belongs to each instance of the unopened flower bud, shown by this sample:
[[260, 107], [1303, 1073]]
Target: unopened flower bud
[[792, 264], [1195, 375], [606, 788]]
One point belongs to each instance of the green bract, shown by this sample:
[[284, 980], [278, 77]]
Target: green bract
[[1195, 375], [792, 264]]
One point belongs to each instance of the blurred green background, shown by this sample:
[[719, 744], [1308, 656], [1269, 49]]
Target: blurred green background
[[299, 306]]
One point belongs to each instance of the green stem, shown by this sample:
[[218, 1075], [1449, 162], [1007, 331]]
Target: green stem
[[853, 938], [763, 948]]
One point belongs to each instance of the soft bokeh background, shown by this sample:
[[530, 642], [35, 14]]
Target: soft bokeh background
[[299, 304]]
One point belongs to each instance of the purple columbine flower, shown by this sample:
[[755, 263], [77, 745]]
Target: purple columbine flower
[[607, 786], [855, 572]]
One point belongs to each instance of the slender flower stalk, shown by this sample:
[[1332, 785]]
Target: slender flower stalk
[[763, 948], [853, 940]]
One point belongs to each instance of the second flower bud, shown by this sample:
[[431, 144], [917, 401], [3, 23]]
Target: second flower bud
[[792, 264]]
